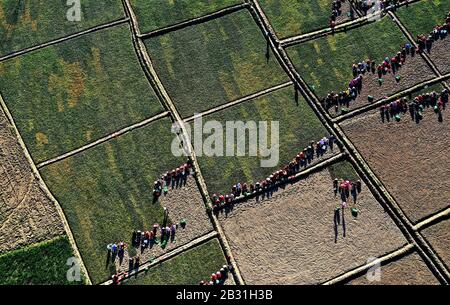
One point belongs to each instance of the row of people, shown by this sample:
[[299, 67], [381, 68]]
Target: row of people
[[415, 107], [302, 159], [171, 179], [219, 277], [388, 65]]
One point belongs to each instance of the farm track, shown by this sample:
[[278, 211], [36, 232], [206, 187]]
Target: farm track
[[441, 79], [241, 100], [194, 21], [104, 139], [152, 76], [196, 242], [363, 269], [65, 38], [375, 185], [416, 241], [342, 27]]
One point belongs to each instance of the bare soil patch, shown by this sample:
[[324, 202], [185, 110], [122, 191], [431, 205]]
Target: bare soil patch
[[183, 203], [410, 159], [414, 71], [290, 237], [440, 55], [438, 236], [408, 270], [26, 214]]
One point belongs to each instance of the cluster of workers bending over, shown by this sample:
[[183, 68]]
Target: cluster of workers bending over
[[219, 277], [302, 159], [343, 99], [395, 109], [174, 179]]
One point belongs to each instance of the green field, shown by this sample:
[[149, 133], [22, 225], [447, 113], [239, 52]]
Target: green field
[[422, 17], [39, 264], [294, 17], [27, 23], [188, 268], [157, 14], [64, 96], [209, 64], [326, 63], [343, 170], [106, 191], [298, 126]]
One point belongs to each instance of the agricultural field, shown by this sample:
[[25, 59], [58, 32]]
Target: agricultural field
[[298, 126], [209, 64], [326, 63], [28, 23], [188, 268], [294, 17], [76, 92], [417, 185], [39, 264], [113, 193], [408, 270], [438, 236], [102, 159], [154, 15], [300, 218], [420, 19], [27, 215]]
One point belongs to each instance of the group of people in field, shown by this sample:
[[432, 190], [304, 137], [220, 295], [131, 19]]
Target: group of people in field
[[219, 277], [345, 188], [395, 109], [343, 99], [336, 11], [172, 179], [439, 32], [287, 173]]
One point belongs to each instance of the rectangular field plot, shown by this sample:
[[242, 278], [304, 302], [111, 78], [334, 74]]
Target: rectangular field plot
[[297, 236], [326, 63], [106, 193], [298, 126], [438, 236], [188, 268], [208, 64], [27, 23], [408, 270], [156, 14], [420, 19], [417, 182], [38, 264], [294, 17], [73, 93]]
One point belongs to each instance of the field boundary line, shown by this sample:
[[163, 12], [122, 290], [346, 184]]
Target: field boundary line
[[168, 255], [47, 192], [383, 260], [240, 100], [194, 21], [424, 54], [393, 97], [362, 168], [432, 220], [341, 27], [321, 165], [152, 76], [65, 38], [103, 139]]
